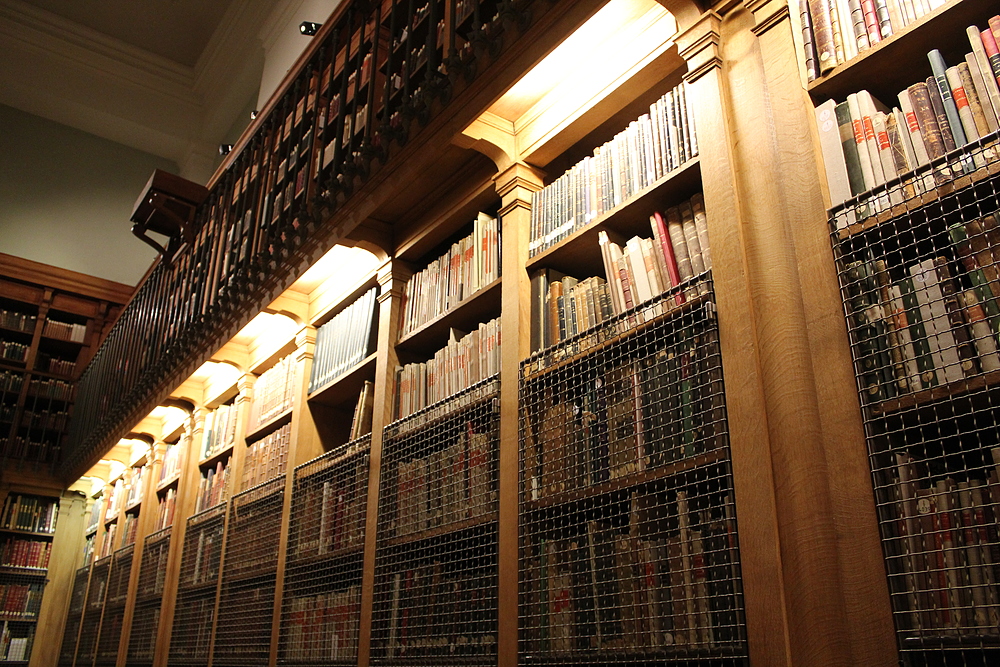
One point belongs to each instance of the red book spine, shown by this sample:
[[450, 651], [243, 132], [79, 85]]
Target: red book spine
[[668, 255], [871, 21], [992, 52]]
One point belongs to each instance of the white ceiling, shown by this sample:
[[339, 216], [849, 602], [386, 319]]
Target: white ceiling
[[168, 77]]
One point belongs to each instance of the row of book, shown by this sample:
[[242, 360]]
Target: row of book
[[17, 552], [345, 341], [108, 542], [7, 412], [451, 484], [865, 144], [212, 487], [115, 499], [323, 626], [171, 462], [470, 264], [49, 364], [135, 486], [154, 558], [29, 449], [64, 331], [608, 590], [11, 319], [624, 418], [267, 457], [220, 430], [464, 361], [49, 388], [364, 411], [32, 513], [273, 392], [45, 420], [206, 558], [834, 32], [96, 513], [88, 548], [925, 329], [11, 382], [946, 556], [648, 149], [15, 649], [165, 510], [435, 611], [332, 513], [11, 351], [129, 529]]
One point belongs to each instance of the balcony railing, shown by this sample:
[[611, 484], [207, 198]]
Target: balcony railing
[[374, 77]]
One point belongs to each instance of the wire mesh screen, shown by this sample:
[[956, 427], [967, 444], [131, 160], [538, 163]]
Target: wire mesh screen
[[146, 616], [918, 267], [114, 606], [72, 631], [194, 611], [321, 600], [628, 547], [435, 597], [246, 604], [90, 625]]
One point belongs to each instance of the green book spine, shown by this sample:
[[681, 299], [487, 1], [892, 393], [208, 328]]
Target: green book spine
[[980, 283], [867, 352], [918, 335]]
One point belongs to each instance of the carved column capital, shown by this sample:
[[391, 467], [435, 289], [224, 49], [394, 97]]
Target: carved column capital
[[699, 46], [766, 14]]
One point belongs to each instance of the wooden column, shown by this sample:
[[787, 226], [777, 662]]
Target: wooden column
[[187, 492], [66, 554], [147, 519], [797, 184], [242, 404], [304, 445], [763, 588], [514, 185], [392, 277]]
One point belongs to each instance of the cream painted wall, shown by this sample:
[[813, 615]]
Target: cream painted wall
[[283, 42], [66, 196]]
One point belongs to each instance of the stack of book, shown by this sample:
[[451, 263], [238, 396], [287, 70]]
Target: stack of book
[[165, 510], [220, 429], [651, 147], [946, 535], [11, 382], [115, 500], [865, 144], [266, 458], [464, 361], [20, 600], [96, 512], [273, 393], [48, 388], [46, 420], [470, 264], [609, 589], [11, 351], [10, 319], [49, 364], [323, 627], [129, 528], [334, 512], [171, 463], [31, 513], [14, 649], [925, 329], [108, 541], [345, 340], [364, 410], [212, 487], [17, 552], [451, 484], [135, 486], [64, 331], [437, 610], [834, 32], [627, 417]]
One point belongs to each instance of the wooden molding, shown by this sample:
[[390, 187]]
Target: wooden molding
[[30, 271]]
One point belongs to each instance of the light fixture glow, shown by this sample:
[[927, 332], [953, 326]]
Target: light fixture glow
[[309, 28]]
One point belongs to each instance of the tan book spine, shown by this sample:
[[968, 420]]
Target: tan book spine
[[819, 12], [972, 96]]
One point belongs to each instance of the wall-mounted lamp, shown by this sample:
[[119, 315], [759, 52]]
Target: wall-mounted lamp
[[224, 149], [253, 114], [308, 28]]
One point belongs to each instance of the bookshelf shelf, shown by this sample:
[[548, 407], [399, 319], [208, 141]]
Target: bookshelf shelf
[[15, 531], [9, 618], [449, 529], [627, 482], [270, 426], [169, 482], [902, 58], [23, 571], [346, 386], [934, 394], [482, 305], [227, 451], [446, 408], [983, 176], [296, 563], [580, 254], [611, 332]]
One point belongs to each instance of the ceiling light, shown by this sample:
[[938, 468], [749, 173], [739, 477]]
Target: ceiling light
[[224, 149]]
